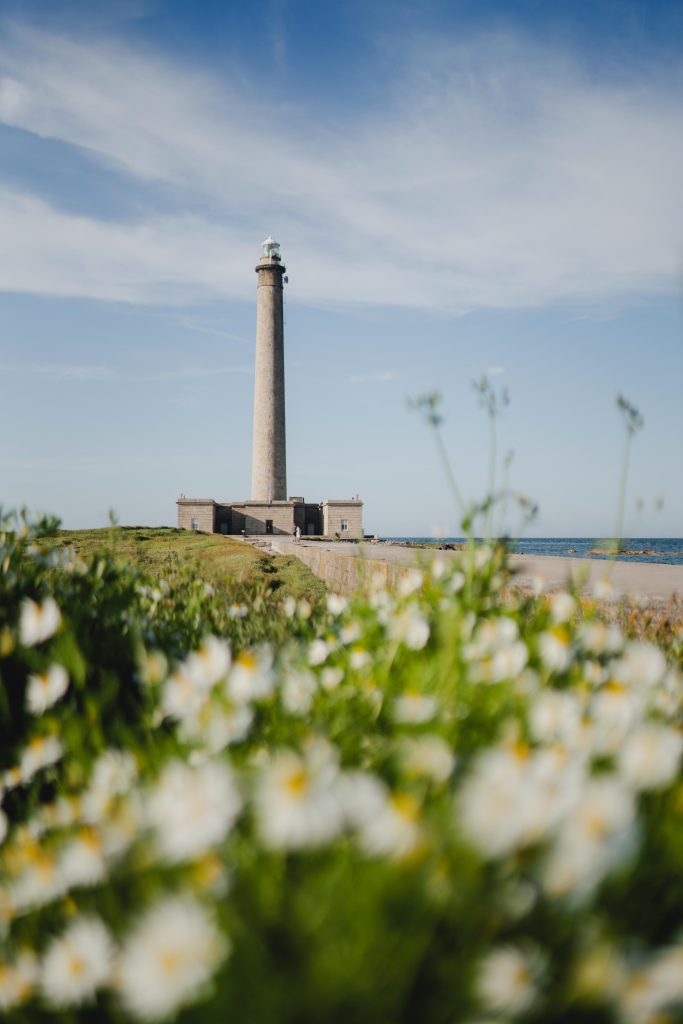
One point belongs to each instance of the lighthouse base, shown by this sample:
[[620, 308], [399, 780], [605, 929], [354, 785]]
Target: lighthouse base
[[333, 518]]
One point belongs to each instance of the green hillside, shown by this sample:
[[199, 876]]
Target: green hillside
[[162, 552]]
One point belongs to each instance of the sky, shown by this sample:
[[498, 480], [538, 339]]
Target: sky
[[459, 187]]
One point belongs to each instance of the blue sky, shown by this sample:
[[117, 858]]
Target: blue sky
[[458, 188]]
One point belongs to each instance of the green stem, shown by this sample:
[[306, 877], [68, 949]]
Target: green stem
[[492, 477], [450, 476], [622, 496]]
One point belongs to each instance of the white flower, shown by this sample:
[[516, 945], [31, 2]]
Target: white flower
[[38, 622], [192, 809], [298, 691], [17, 979], [40, 881], [605, 810], [77, 963], [604, 590], [409, 581], [62, 813], [297, 799], [349, 633], [209, 664], [387, 824], [81, 861], [289, 607], [113, 772], [597, 638], [482, 556], [555, 715], [153, 667], [613, 710], [169, 958], [238, 611], [359, 657], [336, 604], [506, 981], [554, 648], [331, 677], [456, 582], [514, 797], [46, 688], [251, 677], [593, 673], [508, 661], [112, 776], [537, 584], [180, 695], [493, 634], [394, 829], [595, 836], [654, 988], [650, 756], [411, 628], [317, 652], [215, 728], [40, 752], [428, 756], [122, 825], [562, 606], [640, 665], [414, 708], [438, 568]]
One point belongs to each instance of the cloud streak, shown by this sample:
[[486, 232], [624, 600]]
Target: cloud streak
[[496, 176], [89, 374], [380, 377]]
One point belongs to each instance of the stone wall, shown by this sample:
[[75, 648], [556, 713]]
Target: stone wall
[[344, 574], [336, 511], [253, 516], [196, 514]]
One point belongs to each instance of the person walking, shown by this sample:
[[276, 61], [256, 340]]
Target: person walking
[[297, 534]]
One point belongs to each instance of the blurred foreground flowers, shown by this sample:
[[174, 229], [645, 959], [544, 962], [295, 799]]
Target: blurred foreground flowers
[[452, 803]]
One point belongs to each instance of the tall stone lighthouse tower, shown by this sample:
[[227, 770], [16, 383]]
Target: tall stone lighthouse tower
[[269, 458]]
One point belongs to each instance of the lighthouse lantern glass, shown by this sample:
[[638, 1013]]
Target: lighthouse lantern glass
[[271, 248]]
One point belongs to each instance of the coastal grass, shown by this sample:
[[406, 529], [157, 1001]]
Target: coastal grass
[[163, 552]]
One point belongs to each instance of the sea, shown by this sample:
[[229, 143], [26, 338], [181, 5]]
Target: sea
[[660, 550]]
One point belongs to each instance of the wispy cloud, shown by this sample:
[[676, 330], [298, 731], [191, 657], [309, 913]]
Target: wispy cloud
[[89, 374], [380, 377], [498, 175]]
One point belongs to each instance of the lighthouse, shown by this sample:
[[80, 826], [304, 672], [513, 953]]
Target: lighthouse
[[269, 455], [270, 510]]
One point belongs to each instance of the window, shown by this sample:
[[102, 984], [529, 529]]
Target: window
[[194, 524], [344, 525]]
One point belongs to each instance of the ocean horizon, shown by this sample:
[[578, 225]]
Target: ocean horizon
[[658, 550]]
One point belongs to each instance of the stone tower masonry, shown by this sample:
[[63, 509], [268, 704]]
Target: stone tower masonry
[[269, 459]]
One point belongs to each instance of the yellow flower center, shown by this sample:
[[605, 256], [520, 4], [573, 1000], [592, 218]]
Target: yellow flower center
[[297, 783], [76, 966], [406, 806]]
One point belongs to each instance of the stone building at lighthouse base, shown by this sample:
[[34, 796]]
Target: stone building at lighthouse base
[[333, 519]]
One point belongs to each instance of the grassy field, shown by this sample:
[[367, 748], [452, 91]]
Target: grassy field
[[161, 552]]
